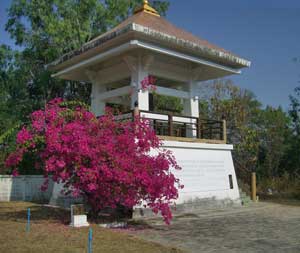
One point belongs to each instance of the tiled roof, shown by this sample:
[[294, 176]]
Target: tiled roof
[[160, 24], [159, 29]]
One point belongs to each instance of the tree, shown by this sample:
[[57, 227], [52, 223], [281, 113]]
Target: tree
[[294, 111], [14, 100], [108, 162], [221, 99], [55, 27], [274, 136], [263, 137], [167, 104], [293, 157], [45, 30], [12, 88]]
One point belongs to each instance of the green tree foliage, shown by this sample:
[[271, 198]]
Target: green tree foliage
[[262, 136], [54, 27], [293, 155], [45, 30], [12, 88], [167, 104], [223, 100], [14, 100], [274, 136], [294, 111]]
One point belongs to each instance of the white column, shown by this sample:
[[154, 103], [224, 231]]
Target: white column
[[97, 105], [139, 96], [139, 72], [191, 107]]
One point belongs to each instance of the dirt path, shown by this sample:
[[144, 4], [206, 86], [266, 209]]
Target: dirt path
[[261, 227]]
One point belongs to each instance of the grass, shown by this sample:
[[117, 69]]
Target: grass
[[50, 233]]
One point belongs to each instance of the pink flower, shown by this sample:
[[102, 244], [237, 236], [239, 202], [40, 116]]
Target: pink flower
[[103, 160], [23, 136], [38, 120], [15, 173], [14, 158], [92, 187], [60, 164], [148, 83]]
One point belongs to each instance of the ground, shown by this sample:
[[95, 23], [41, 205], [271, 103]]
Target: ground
[[50, 233], [261, 227]]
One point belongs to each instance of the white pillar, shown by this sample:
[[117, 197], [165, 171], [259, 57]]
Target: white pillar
[[97, 105], [138, 74], [139, 96], [191, 108]]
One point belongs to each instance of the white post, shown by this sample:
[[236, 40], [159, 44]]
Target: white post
[[97, 105], [191, 108], [139, 72], [139, 96]]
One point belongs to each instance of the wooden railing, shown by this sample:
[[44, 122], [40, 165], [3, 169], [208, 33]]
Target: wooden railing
[[186, 127], [179, 126]]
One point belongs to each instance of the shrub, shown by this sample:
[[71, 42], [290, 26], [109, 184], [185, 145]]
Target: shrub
[[108, 162]]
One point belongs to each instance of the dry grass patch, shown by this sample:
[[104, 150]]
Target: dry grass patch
[[50, 233]]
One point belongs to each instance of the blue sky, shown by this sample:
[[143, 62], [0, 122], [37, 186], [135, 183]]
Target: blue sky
[[266, 32]]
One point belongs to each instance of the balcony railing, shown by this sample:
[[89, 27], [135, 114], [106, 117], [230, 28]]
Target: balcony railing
[[179, 127]]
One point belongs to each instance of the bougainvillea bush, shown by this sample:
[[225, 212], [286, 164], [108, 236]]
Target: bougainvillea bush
[[106, 161]]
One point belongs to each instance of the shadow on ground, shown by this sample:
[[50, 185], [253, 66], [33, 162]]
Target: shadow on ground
[[16, 211]]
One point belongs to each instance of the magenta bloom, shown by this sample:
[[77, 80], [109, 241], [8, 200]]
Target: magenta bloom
[[108, 162], [149, 83], [15, 173], [24, 136]]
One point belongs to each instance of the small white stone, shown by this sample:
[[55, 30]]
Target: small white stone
[[79, 221]]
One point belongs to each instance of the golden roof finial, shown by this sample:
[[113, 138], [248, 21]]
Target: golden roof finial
[[146, 8]]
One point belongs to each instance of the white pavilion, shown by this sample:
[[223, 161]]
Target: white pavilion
[[116, 63]]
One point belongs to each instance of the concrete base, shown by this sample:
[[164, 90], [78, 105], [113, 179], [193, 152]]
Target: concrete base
[[207, 171], [192, 206], [79, 221], [207, 174]]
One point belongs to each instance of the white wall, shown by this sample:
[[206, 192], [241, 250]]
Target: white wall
[[25, 188], [205, 174], [205, 170]]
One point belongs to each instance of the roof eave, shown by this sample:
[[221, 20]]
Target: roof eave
[[225, 57], [240, 62], [135, 44]]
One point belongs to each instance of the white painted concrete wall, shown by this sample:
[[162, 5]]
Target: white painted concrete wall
[[25, 188], [205, 174], [205, 171]]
